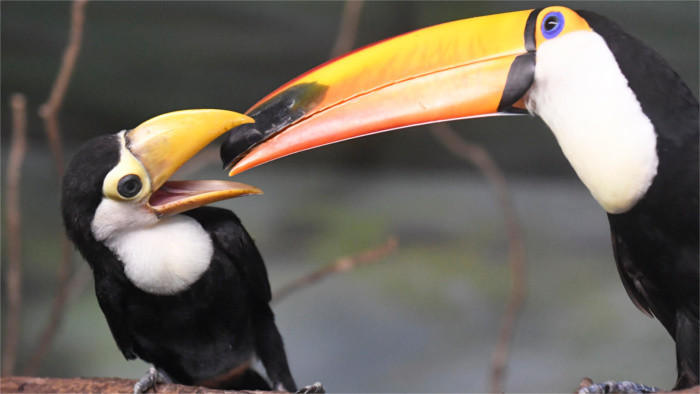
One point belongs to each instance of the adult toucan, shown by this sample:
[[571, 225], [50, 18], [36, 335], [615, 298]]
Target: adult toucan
[[182, 286], [622, 116]]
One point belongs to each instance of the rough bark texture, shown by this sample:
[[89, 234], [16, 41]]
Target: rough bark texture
[[28, 384]]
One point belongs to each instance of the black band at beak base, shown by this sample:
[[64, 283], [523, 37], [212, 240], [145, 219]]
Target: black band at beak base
[[520, 77], [522, 72], [271, 117]]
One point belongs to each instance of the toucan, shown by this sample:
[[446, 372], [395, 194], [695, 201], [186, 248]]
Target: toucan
[[182, 286], [623, 118]]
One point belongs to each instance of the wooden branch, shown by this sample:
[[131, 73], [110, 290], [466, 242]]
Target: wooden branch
[[516, 249], [28, 384], [13, 276], [49, 112], [24, 384], [349, 21], [50, 109], [343, 264]]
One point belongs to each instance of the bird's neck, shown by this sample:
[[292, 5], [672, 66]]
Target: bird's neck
[[671, 203], [585, 100]]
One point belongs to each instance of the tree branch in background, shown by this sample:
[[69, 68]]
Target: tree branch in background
[[516, 249], [349, 21], [343, 264], [50, 109], [344, 42], [49, 112], [13, 275]]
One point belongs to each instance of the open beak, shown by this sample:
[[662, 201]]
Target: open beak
[[473, 67], [166, 142]]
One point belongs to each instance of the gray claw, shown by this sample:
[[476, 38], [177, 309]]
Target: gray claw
[[150, 381], [618, 387], [312, 389]]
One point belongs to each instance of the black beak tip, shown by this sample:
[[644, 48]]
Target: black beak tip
[[238, 141]]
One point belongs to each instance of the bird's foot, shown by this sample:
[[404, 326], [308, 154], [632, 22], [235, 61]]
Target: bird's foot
[[316, 388], [588, 387], [150, 381]]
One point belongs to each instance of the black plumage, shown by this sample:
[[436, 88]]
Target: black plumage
[[205, 334], [656, 242]]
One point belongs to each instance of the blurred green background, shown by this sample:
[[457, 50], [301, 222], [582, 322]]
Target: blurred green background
[[427, 317]]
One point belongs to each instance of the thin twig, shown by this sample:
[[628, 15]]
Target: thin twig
[[72, 288], [516, 250], [347, 33], [344, 42], [50, 109], [49, 112], [343, 264], [65, 290], [13, 278]]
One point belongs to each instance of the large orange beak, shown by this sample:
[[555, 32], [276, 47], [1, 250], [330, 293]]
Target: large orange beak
[[473, 67]]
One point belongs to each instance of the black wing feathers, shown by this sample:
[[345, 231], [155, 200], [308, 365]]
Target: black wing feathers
[[629, 274], [230, 236], [110, 300]]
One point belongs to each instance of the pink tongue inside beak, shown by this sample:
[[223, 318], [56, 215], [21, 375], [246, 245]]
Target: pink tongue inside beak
[[180, 196]]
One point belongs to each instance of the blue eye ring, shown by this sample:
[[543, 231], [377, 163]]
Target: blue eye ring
[[552, 24]]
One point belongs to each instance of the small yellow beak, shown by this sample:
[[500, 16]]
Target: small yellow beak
[[163, 144]]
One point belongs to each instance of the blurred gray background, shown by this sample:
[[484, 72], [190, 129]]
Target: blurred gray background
[[424, 319]]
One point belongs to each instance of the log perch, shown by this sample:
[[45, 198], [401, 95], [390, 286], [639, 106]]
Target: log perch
[[29, 384]]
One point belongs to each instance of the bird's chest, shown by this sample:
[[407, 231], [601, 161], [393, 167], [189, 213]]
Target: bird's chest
[[166, 258]]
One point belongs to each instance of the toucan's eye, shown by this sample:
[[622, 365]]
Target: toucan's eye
[[552, 24], [129, 186]]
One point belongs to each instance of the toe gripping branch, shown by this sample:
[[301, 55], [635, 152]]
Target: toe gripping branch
[[150, 381], [618, 387]]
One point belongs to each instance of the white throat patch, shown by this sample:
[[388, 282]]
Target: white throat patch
[[165, 258], [584, 98], [162, 257]]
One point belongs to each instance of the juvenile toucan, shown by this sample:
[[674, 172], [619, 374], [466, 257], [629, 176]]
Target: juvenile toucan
[[624, 119], [182, 286]]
